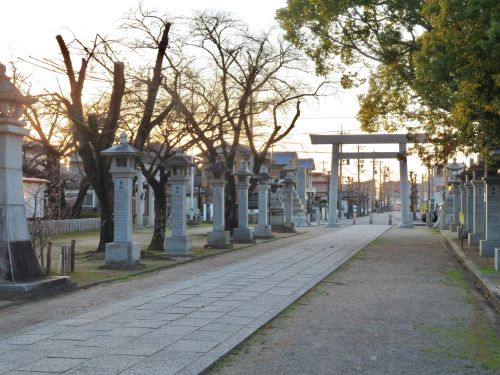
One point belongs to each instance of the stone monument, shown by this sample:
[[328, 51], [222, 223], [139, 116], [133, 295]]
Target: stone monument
[[20, 273], [178, 243], [455, 190], [122, 252], [277, 208], [139, 202], [218, 237], [289, 225], [151, 207], [263, 229], [469, 196], [492, 224], [301, 185], [243, 233], [478, 216]]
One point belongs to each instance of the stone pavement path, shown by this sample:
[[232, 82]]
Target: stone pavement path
[[402, 306], [182, 327]]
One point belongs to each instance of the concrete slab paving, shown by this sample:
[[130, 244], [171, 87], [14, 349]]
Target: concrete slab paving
[[202, 317]]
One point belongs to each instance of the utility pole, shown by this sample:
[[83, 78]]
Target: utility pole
[[380, 184]]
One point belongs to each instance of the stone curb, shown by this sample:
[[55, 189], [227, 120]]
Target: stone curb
[[486, 286], [147, 271]]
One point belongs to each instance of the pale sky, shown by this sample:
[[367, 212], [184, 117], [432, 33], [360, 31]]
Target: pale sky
[[29, 27]]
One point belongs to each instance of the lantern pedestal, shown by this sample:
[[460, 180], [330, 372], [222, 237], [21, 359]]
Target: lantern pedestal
[[218, 238], [21, 275], [125, 254]]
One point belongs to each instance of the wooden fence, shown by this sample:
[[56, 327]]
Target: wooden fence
[[56, 227]]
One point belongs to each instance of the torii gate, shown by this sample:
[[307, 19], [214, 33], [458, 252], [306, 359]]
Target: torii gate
[[337, 140]]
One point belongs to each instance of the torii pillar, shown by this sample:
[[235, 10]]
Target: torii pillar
[[406, 218], [334, 183]]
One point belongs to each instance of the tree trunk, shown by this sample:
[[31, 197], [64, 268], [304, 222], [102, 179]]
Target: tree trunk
[[106, 197], [160, 217], [76, 209], [231, 207], [56, 201]]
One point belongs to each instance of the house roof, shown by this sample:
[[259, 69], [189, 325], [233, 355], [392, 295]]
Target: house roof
[[307, 163], [284, 157]]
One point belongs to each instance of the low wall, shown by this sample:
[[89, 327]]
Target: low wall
[[55, 227]]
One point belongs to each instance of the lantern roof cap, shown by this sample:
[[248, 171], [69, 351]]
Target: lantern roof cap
[[263, 173], [218, 166], [9, 92], [243, 171], [179, 160], [121, 149]]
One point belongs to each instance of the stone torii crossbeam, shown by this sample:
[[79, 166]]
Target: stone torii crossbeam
[[342, 139]]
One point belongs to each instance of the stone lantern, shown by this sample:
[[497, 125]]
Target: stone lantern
[[289, 191], [243, 233], [122, 252], [263, 229], [218, 237], [20, 272], [178, 243]]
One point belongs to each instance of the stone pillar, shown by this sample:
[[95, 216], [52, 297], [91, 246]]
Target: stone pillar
[[492, 224], [218, 237], [469, 212], [289, 191], [478, 216], [301, 184], [122, 252], [179, 244], [151, 207], [263, 229], [318, 214], [20, 272], [406, 215], [456, 205], [243, 233], [334, 183], [461, 231], [139, 202], [277, 209], [18, 262]]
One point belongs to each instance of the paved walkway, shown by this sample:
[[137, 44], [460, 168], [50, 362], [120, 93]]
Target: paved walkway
[[183, 327]]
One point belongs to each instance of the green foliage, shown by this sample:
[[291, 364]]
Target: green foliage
[[436, 63]]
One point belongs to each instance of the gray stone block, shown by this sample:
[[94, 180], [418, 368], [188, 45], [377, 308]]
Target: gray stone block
[[497, 259], [487, 248], [221, 240], [263, 231], [178, 246], [126, 253], [243, 235]]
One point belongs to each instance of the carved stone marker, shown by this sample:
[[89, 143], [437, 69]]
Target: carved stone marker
[[218, 237], [456, 204], [179, 243], [469, 201], [277, 208], [122, 252], [20, 272], [243, 233], [151, 207], [263, 229], [289, 193], [478, 215], [139, 202], [492, 233]]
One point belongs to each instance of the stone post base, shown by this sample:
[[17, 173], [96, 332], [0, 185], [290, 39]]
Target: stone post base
[[262, 231], [474, 239], [454, 227], [277, 220], [332, 225], [219, 240], [497, 259], [124, 254], [487, 248], [243, 235], [27, 289], [178, 246]]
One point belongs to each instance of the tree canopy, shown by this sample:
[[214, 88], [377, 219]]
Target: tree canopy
[[434, 63]]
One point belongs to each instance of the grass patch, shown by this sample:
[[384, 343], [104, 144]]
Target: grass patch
[[456, 277], [434, 230], [476, 342], [488, 269]]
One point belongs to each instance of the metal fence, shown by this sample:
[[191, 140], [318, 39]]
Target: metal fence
[[55, 227]]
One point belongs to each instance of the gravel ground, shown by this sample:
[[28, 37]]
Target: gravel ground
[[402, 306]]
